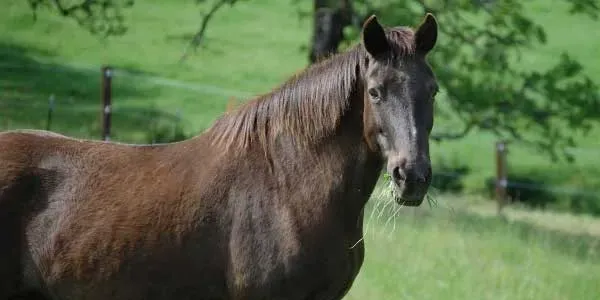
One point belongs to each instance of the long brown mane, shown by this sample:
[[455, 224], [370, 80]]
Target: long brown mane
[[308, 106]]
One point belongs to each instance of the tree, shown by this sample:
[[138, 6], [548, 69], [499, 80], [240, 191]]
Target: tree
[[329, 20], [105, 17], [197, 38], [477, 64], [102, 17]]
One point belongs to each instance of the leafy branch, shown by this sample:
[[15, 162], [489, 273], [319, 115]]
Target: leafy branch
[[478, 64], [103, 17], [198, 37]]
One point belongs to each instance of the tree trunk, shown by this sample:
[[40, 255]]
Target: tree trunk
[[329, 20]]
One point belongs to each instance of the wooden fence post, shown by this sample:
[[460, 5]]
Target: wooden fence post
[[501, 175], [106, 101]]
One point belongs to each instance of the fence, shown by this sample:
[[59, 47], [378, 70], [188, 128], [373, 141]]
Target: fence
[[13, 104], [502, 181]]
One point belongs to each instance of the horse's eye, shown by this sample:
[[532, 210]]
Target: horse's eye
[[374, 93]]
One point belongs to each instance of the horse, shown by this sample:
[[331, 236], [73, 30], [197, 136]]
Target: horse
[[267, 203]]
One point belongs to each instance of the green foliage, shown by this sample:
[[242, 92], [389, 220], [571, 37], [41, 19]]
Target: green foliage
[[485, 83], [106, 18], [99, 17], [211, 8]]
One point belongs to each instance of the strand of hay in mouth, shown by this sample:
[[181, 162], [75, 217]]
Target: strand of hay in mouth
[[384, 199], [381, 197]]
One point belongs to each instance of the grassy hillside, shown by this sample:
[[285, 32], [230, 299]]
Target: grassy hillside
[[242, 53], [249, 49]]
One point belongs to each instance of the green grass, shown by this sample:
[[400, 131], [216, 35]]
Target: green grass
[[458, 253], [244, 50], [249, 49]]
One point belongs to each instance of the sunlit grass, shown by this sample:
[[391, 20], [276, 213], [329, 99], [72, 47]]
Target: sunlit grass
[[443, 253]]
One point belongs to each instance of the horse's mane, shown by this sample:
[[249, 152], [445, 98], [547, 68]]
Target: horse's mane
[[309, 105]]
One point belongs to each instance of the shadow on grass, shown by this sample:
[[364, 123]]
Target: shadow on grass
[[26, 85], [566, 189]]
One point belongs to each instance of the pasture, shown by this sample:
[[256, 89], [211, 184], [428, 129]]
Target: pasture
[[457, 250]]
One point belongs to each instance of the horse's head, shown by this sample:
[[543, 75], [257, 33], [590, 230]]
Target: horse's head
[[399, 94]]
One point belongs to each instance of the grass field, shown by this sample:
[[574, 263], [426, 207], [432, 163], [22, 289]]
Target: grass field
[[454, 252], [249, 49], [45, 58]]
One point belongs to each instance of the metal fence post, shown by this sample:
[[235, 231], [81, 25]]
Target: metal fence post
[[106, 101], [501, 175]]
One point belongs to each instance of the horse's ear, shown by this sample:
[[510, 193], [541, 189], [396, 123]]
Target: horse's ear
[[426, 34], [373, 37]]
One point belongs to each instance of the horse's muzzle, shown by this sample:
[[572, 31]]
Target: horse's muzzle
[[410, 195], [410, 190]]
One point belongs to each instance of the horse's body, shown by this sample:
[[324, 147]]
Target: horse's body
[[109, 221], [267, 204]]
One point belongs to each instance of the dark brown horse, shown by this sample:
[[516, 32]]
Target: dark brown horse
[[266, 204]]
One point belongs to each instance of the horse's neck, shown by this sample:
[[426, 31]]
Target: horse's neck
[[337, 175], [361, 172]]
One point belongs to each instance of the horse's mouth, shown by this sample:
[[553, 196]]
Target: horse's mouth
[[409, 196], [409, 201]]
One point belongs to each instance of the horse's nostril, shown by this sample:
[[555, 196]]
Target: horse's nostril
[[398, 175], [425, 177], [429, 174]]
